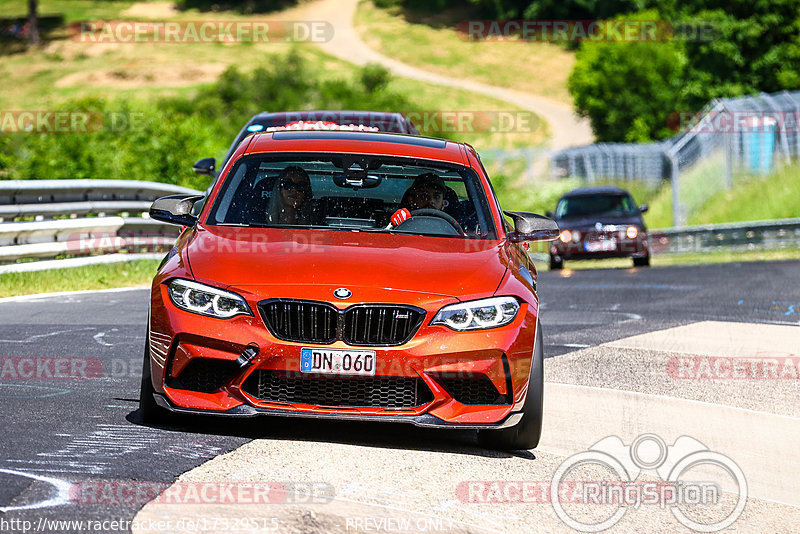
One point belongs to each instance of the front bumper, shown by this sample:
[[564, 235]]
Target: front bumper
[[423, 420], [501, 356], [598, 245]]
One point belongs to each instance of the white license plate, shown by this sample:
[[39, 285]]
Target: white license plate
[[338, 362], [604, 245]]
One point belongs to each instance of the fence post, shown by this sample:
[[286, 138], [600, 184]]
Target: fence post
[[677, 212], [728, 159]]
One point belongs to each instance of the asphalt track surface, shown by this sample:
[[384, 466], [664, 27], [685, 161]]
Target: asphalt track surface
[[62, 431]]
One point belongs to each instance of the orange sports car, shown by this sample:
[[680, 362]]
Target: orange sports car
[[350, 275]]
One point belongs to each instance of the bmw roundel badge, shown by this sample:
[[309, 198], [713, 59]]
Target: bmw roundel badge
[[342, 293]]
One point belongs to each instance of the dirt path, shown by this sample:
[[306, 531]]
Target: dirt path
[[566, 128]]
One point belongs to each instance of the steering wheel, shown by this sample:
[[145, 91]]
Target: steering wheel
[[442, 215]]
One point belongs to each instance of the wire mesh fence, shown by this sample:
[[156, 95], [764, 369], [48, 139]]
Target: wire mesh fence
[[728, 140]]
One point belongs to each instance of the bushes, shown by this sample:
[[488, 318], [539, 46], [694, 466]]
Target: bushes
[[628, 89], [160, 139]]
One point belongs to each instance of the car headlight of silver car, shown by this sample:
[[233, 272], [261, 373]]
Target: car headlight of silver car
[[478, 314], [206, 300]]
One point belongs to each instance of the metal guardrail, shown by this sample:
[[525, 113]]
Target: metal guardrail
[[93, 239], [750, 235], [777, 234], [45, 219]]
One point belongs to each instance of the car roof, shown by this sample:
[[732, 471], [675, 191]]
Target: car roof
[[597, 190], [395, 121], [327, 113], [378, 143]]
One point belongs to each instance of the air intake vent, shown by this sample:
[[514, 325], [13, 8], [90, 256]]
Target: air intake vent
[[471, 388], [204, 375], [387, 392]]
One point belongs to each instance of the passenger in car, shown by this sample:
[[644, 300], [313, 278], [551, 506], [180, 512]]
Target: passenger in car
[[427, 192], [291, 198]]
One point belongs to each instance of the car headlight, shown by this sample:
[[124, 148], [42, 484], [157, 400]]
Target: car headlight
[[632, 232], [478, 314], [206, 300], [566, 236]]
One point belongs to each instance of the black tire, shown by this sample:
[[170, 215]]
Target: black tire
[[644, 261], [149, 411], [525, 434], [556, 263]]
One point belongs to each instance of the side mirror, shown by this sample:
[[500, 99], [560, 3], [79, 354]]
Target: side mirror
[[643, 208], [175, 209], [531, 227], [206, 166]]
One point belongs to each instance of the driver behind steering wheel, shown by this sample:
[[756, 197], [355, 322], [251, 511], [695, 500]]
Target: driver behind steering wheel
[[427, 192]]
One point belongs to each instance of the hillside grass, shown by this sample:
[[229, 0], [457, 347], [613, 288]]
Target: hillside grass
[[669, 260], [105, 276], [63, 69], [431, 42]]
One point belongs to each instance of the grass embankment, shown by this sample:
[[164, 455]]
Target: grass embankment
[[65, 69], [125, 274], [752, 197], [431, 42], [660, 260]]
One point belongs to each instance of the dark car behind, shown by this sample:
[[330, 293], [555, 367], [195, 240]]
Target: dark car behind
[[379, 121], [597, 223]]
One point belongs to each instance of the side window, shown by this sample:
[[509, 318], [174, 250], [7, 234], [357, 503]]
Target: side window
[[234, 185]]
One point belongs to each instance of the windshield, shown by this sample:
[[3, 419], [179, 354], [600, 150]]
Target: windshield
[[354, 192], [616, 204]]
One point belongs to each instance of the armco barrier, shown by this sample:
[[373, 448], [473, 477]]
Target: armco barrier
[[63, 225], [87, 219]]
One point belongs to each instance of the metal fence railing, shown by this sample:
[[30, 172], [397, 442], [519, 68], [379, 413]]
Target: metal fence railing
[[729, 139], [61, 232], [86, 219]]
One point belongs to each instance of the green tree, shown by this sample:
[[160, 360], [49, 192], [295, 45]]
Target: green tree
[[628, 89], [739, 47]]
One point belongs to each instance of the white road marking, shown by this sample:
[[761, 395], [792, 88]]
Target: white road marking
[[60, 498], [43, 296], [33, 338], [100, 335]]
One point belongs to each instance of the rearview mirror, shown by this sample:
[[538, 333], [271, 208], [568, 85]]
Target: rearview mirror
[[356, 180], [643, 208], [206, 166], [175, 209], [531, 227]]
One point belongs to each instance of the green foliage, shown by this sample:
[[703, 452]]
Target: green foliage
[[538, 198], [628, 89], [245, 7], [720, 49], [103, 276], [159, 140], [581, 9], [744, 47], [375, 78], [754, 198]]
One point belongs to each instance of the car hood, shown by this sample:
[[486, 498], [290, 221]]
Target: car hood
[[300, 262], [589, 222]]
